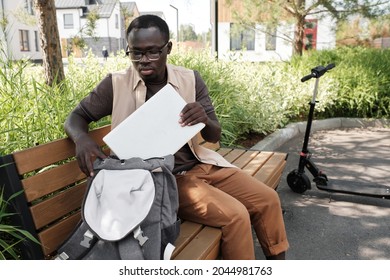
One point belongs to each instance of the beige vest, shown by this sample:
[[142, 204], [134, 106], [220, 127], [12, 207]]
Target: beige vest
[[129, 93]]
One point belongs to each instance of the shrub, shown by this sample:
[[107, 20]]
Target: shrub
[[359, 85], [248, 97]]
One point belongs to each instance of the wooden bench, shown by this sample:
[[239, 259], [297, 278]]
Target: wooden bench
[[54, 188]]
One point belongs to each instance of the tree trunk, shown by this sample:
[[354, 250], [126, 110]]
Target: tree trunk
[[50, 41], [299, 32], [299, 35]]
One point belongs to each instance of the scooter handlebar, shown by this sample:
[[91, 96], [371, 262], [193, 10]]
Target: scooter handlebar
[[318, 72], [307, 77]]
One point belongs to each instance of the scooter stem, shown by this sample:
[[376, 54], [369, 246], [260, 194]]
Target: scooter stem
[[310, 117]]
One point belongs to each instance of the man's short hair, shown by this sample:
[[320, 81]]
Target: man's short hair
[[147, 21]]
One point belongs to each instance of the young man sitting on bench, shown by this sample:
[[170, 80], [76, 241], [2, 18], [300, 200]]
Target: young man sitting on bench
[[211, 190]]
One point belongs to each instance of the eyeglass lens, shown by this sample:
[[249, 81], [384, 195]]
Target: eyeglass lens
[[152, 55]]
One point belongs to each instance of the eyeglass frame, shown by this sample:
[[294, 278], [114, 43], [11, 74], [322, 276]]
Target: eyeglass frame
[[146, 53]]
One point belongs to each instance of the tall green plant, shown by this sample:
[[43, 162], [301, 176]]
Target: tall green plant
[[10, 236], [360, 82], [248, 97], [33, 112]]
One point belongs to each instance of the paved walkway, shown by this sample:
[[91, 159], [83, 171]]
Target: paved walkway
[[335, 226]]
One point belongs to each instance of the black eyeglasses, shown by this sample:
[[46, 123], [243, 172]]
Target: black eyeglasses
[[152, 55]]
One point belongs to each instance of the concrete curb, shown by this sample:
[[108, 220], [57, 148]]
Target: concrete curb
[[273, 141]]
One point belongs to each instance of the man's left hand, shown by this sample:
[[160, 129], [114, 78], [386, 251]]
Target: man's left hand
[[192, 114]]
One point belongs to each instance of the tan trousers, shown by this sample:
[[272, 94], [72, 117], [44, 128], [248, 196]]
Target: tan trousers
[[233, 200]]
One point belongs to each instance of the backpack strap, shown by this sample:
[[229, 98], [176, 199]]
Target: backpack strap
[[87, 240], [139, 235]]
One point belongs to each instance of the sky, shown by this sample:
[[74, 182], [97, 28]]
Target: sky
[[196, 12]]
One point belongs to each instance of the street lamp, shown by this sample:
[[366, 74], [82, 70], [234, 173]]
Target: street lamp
[[177, 23]]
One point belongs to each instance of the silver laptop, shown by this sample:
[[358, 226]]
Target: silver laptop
[[153, 130]]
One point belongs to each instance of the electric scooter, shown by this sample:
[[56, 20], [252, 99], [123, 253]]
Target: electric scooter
[[299, 182]]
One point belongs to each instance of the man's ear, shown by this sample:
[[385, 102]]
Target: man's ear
[[169, 47]]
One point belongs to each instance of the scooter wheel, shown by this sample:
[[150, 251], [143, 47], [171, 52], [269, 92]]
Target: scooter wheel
[[298, 182]]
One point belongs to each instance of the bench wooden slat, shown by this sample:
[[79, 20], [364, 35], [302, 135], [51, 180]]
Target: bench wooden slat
[[267, 169], [57, 206], [52, 180], [245, 158], [43, 155], [257, 162], [234, 154], [274, 181], [53, 237], [205, 245], [224, 151], [188, 230]]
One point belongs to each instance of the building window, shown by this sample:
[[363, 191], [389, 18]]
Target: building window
[[23, 40], [36, 40], [310, 38], [270, 39], [68, 21], [241, 38], [28, 5], [116, 21]]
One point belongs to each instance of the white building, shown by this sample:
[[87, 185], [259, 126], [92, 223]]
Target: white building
[[72, 20], [258, 44], [21, 36]]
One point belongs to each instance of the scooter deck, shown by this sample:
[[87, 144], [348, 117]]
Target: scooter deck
[[359, 188]]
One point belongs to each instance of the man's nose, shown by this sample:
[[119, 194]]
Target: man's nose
[[144, 58]]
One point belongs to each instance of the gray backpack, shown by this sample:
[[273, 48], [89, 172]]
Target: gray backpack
[[129, 212]]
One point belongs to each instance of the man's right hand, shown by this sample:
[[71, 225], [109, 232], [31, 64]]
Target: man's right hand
[[86, 152]]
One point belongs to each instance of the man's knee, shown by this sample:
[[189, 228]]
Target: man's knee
[[239, 214], [272, 199]]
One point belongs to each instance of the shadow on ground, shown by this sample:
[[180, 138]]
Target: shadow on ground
[[335, 226]]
